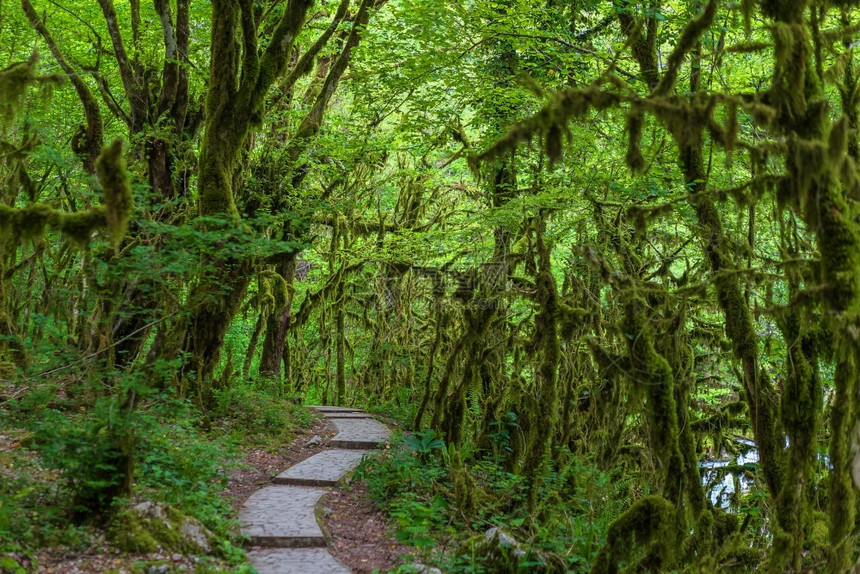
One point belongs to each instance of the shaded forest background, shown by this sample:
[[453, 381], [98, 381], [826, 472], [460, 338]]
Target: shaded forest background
[[582, 249]]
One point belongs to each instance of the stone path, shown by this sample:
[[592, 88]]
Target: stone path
[[281, 519]]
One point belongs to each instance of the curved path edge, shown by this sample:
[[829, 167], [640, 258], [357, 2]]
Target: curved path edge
[[280, 518]]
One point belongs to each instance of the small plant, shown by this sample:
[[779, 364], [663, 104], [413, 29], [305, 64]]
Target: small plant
[[501, 437], [423, 443], [416, 519], [92, 453]]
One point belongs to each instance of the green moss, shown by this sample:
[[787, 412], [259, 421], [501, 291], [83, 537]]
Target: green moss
[[7, 370], [118, 201], [80, 226], [725, 525], [700, 542], [635, 159], [151, 527], [650, 525], [654, 376], [30, 222], [14, 81], [274, 291]]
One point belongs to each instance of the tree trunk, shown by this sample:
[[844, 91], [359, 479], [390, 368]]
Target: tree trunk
[[278, 322]]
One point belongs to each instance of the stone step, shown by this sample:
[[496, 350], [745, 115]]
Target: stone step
[[359, 433], [322, 469], [340, 415], [282, 517], [330, 409], [296, 561]]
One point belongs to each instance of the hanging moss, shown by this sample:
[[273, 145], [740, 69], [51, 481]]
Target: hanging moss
[[546, 345], [30, 222], [686, 42], [118, 201], [274, 291], [14, 81], [635, 159], [564, 106], [652, 373], [701, 541]]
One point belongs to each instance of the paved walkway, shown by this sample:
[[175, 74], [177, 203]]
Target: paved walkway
[[281, 518]]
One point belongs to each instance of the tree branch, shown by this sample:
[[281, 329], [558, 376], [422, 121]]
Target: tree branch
[[125, 70], [170, 72], [93, 142], [305, 63], [274, 59]]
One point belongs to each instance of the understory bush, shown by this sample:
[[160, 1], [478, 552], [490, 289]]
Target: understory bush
[[254, 412], [414, 483]]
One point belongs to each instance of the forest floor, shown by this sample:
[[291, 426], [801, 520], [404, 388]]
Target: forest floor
[[362, 537]]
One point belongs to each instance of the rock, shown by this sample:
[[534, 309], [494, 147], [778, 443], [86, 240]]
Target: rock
[[163, 569], [152, 527], [502, 553], [315, 440], [419, 568], [496, 535], [195, 532], [504, 539]]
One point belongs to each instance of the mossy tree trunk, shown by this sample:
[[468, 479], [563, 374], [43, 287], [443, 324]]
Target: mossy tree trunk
[[240, 77], [292, 170], [819, 190], [546, 347], [130, 305], [278, 320], [738, 319]]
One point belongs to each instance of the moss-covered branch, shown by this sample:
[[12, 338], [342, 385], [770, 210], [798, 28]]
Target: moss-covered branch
[[30, 222]]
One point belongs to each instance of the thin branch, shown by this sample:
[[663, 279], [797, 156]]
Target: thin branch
[[305, 63], [89, 356], [94, 137]]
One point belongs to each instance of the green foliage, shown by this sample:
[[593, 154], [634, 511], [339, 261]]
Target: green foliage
[[423, 443], [88, 454], [577, 507], [253, 412], [589, 245]]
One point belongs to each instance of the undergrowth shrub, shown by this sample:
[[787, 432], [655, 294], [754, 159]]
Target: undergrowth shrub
[[181, 466], [86, 449], [252, 412], [412, 482], [407, 484], [65, 465]]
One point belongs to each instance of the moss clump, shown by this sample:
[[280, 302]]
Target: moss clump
[[7, 370], [500, 552], [30, 222], [274, 291], [113, 175], [14, 81], [80, 226], [151, 527], [650, 524]]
